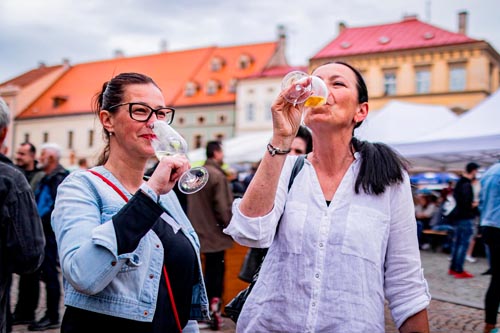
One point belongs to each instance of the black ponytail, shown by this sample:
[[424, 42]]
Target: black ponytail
[[380, 167]]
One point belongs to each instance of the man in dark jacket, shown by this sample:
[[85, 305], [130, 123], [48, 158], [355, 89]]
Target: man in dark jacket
[[21, 235], [27, 297], [463, 219], [45, 195], [209, 211]]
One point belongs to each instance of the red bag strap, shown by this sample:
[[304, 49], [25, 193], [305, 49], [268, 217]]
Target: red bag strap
[[167, 280]]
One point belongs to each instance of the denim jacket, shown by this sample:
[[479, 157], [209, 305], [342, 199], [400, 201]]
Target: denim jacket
[[489, 200], [96, 278]]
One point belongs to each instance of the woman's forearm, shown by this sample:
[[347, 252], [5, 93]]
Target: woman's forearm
[[418, 323]]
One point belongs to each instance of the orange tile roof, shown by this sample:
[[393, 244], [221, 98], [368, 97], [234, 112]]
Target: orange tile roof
[[407, 34], [259, 54], [170, 70], [29, 77]]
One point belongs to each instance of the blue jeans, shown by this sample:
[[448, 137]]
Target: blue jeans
[[463, 232]]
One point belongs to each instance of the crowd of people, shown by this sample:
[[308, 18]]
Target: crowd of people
[[137, 255]]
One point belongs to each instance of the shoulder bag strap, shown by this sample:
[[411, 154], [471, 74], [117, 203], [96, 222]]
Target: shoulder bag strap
[[167, 280]]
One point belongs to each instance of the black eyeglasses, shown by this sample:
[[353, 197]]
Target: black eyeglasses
[[143, 112]]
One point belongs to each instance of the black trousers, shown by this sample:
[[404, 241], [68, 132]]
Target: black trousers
[[28, 293], [214, 274], [491, 236]]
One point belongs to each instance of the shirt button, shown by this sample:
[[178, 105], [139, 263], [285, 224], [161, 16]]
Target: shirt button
[[157, 246], [146, 313], [317, 275], [151, 276], [113, 263], [314, 304], [321, 244]]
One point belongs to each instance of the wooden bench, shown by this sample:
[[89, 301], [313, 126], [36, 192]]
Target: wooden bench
[[435, 237]]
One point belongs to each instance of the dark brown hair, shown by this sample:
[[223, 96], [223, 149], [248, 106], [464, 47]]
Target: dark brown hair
[[381, 166], [112, 94]]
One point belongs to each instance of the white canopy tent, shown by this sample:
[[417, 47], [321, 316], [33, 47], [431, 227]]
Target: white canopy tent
[[475, 136], [243, 148], [400, 122]]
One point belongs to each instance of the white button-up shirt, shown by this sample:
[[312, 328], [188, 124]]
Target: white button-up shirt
[[329, 268]]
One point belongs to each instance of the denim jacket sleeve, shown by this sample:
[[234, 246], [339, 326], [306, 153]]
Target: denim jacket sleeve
[[25, 241], [85, 234]]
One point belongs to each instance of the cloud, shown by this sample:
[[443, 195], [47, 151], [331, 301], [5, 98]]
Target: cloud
[[91, 30]]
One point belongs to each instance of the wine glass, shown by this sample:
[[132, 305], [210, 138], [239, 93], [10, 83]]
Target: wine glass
[[168, 142], [299, 87]]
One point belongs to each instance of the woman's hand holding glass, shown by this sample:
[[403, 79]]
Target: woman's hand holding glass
[[298, 87], [168, 142]]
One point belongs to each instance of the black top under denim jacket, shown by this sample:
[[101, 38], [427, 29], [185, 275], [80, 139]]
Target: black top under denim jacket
[[131, 223]]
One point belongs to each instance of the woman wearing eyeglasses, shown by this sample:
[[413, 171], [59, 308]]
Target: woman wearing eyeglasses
[[129, 255]]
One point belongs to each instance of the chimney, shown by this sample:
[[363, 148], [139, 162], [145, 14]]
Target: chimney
[[119, 53], [66, 63], [462, 22], [41, 64], [279, 57], [163, 45], [342, 27], [410, 17]]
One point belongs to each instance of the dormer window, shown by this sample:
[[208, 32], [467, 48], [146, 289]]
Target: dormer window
[[217, 64], [58, 101], [232, 86], [191, 89], [245, 61], [213, 87]]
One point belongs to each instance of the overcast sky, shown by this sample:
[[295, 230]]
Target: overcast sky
[[34, 31]]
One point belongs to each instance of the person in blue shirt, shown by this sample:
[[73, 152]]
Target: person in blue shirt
[[489, 206]]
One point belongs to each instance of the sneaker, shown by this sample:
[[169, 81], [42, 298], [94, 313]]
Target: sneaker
[[464, 275], [44, 324], [470, 259], [488, 272], [215, 314], [452, 272]]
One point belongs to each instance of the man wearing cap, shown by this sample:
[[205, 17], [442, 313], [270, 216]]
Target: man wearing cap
[[463, 219]]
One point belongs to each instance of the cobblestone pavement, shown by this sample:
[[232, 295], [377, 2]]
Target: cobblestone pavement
[[456, 307]]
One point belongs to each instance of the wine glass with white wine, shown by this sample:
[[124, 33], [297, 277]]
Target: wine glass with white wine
[[299, 87], [168, 142]]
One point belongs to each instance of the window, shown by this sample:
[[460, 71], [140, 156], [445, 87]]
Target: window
[[216, 64], [389, 83], [232, 86], [181, 120], [219, 137], [45, 137], [212, 87], [70, 139], [197, 141], [457, 78], [222, 119], [191, 89], [245, 61], [26, 137], [91, 138], [250, 112], [201, 120], [267, 111], [423, 81], [58, 101]]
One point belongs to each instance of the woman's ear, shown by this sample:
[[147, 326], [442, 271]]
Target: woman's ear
[[361, 113], [106, 119]]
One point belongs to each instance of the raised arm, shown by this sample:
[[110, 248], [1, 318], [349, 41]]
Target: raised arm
[[258, 199]]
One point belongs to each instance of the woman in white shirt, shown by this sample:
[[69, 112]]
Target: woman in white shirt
[[347, 239]]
